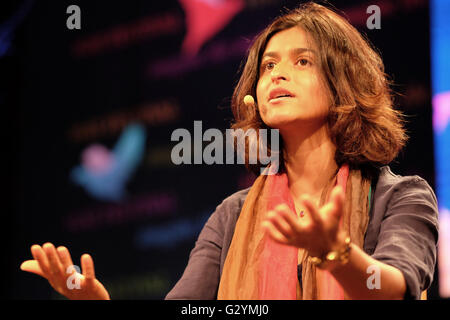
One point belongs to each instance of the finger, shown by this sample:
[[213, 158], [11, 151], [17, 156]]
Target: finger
[[53, 259], [57, 274], [66, 260], [284, 210], [333, 208], [39, 255], [312, 209], [274, 233], [87, 265], [291, 220], [32, 266], [278, 220], [337, 199]]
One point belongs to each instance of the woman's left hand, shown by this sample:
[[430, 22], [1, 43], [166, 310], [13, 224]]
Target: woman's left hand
[[317, 231]]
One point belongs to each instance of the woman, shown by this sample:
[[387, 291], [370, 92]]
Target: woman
[[335, 222]]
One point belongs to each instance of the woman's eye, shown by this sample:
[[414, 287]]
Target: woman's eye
[[303, 62], [269, 66]]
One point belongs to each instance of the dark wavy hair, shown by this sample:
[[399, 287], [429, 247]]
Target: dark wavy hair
[[363, 124]]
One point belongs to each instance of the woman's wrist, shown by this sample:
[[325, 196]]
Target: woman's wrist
[[337, 254]]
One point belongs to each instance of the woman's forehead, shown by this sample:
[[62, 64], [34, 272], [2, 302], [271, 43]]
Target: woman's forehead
[[288, 39]]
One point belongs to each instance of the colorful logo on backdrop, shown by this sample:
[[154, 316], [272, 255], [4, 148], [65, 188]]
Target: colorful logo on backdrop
[[103, 173], [171, 234], [206, 18]]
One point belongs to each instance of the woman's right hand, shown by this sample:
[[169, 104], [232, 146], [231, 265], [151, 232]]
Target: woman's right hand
[[57, 267]]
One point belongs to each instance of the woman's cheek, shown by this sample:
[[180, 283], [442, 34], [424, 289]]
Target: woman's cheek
[[259, 103], [263, 112]]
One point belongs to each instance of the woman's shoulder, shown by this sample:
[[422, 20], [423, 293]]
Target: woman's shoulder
[[390, 183], [401, 203], [233, 203], [397, 190], [227, 212], [238, 197], [403, 228]]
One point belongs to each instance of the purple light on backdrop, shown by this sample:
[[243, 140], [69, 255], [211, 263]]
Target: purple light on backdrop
[[440, 53]]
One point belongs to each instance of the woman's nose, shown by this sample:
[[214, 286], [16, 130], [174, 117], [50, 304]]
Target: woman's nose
[[280, 72]]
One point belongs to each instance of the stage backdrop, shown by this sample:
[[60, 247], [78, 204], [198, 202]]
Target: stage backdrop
[[95, 105]]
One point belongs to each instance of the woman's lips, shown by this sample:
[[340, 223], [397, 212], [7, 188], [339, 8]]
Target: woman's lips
[[280, 99], [279, 95]]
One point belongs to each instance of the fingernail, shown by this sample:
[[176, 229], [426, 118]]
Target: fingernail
[[47, 245]]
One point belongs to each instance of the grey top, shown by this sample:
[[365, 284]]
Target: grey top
[[402, 232]]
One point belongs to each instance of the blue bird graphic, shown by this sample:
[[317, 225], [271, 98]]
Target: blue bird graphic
[[103, 173]]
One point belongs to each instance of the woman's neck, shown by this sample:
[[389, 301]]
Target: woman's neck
[[309, 161]]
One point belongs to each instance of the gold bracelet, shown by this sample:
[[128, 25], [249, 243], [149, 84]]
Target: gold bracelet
[[340, 256]]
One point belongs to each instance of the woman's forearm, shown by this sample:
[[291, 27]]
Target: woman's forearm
[[364, 278]]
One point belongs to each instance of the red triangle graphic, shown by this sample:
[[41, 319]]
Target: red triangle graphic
[[204, 19]]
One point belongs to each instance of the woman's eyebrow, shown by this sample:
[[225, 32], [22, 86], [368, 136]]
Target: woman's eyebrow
[[297, 51], [293, 52]]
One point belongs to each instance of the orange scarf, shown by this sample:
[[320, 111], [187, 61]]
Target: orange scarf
[[258, 268]]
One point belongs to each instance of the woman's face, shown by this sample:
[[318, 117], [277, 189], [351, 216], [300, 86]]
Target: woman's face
[[290, 91]]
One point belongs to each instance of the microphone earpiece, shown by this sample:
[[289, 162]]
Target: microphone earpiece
[[249, 101]]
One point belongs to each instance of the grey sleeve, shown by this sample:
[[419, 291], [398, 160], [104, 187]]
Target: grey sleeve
[[200, 280], [409, 234]]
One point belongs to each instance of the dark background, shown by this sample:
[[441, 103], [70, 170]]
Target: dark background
[[50, 88]]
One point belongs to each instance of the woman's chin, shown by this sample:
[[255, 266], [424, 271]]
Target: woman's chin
[[291, 121], [279, 122]]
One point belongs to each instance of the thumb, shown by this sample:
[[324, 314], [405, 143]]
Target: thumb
[[32, 266], [337, 199]]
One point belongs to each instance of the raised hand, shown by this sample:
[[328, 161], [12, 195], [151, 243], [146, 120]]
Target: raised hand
[[317, 231], [57, 267]]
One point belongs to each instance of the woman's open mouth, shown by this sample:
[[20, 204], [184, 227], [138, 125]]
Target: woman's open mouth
[[279, 95]]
